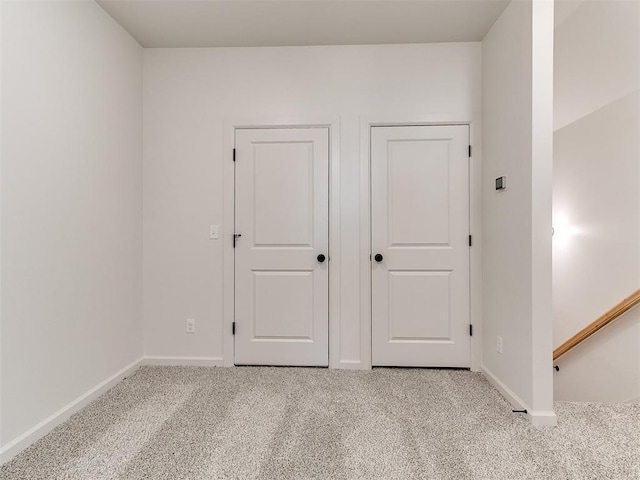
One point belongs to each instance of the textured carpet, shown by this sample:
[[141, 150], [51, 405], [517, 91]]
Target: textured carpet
[[299, 423]]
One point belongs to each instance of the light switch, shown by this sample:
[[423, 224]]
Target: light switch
[[213, 232]]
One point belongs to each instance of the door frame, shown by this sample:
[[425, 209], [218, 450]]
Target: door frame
[[227, 231], [475, 221]]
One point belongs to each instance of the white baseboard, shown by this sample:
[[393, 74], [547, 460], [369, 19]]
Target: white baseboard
[[351, 365], [15, 446], [538, 418], [541, 418], [183, 361], [506, 392]]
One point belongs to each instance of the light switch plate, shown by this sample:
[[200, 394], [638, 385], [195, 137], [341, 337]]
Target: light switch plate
[[213, 232]]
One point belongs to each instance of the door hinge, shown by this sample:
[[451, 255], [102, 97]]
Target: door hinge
[[470, 240], [233, 328], [469, 151], [235, 238], [470, 330], [234, 154]]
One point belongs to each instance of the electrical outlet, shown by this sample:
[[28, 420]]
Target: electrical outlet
[[191, 325], [499, 344]]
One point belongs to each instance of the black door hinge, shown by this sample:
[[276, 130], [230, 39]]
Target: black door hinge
[[470, 330], [233, 328], [234, 154], [235, 238], [470, 240], [469, 151]]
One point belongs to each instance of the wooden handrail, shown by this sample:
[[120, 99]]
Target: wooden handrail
[[621, 308]]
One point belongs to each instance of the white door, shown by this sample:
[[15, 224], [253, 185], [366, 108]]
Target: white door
[[282, 215], [420, 246]]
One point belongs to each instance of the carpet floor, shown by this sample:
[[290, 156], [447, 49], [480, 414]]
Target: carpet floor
[[302, 423]]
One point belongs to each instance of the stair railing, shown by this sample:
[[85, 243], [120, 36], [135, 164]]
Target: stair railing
[[601, 322]]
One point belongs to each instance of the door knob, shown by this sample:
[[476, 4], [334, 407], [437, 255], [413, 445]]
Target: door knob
[[321, 258], [378, 258]]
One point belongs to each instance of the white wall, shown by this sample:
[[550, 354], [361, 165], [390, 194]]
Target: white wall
[[188, 94], [596, 255], [71, 206], [517, 107], [596, 54]]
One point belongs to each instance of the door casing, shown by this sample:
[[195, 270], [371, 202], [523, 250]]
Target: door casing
[[475, 222], [228, 272]]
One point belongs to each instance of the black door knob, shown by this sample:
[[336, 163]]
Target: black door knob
[[321, 258], [378, 258]]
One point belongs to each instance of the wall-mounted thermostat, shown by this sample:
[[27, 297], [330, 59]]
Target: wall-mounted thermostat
[[501, 183]]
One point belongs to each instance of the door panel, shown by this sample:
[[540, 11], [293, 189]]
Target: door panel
[[283, 182], [282, 213], [283, 303], [409, 164], [420, 225], [415, 296]]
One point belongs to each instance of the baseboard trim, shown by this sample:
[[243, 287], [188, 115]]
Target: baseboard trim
[[351, 365], [35, 433], [515, 401], [183, 361], [538, 418], [541, 418]]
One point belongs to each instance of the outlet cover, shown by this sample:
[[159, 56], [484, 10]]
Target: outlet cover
[[499, 344], [191, 325]]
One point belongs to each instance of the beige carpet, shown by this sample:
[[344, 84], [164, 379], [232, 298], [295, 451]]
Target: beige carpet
[[298, 423]]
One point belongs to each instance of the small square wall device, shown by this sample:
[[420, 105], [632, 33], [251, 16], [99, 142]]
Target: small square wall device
[[501, 183]]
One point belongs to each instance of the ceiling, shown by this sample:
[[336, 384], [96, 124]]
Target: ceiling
[[253, 23]]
